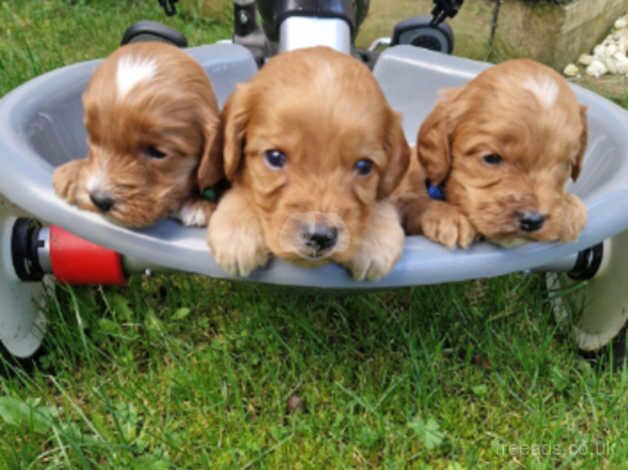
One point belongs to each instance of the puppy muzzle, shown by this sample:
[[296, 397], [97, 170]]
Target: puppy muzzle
[[314, 236], [320, 240], [530, 221], [103, 200]]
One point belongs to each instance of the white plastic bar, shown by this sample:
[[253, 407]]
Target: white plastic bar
[[297, 32]]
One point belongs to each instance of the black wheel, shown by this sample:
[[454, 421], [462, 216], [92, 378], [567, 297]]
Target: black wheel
[[153, 31], [419, 32]]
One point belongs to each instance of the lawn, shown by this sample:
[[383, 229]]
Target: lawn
[[185, 372]]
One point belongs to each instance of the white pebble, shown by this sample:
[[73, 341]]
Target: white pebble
[[585, 59], [611, 55], [596, 69], [620, 58], [571, 70], [611, 65], [611, 48], [622, 66]]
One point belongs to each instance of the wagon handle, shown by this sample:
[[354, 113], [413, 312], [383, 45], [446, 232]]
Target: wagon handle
[[444, 9], [169, 7]]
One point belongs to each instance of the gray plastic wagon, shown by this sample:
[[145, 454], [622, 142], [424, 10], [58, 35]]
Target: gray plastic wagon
[[41, 127]]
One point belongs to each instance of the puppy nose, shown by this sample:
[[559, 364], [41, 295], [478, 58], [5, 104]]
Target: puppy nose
[[530, 221], [102, 200], [322, 238]]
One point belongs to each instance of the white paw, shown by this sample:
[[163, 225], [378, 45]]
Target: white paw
[[238, 252], [372, 267], [195, 214], [381, 247]]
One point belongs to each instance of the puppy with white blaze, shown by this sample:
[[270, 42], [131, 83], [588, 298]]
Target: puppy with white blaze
[[153, 123], [503, 147]]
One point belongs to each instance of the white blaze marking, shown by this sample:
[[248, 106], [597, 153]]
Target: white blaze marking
[[96, 182], [132, 70], [544, 88]]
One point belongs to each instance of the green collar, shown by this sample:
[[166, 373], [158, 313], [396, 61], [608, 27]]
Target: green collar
[[210, 194], [215, 191]]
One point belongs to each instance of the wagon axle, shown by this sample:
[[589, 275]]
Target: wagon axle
[[38, 250]]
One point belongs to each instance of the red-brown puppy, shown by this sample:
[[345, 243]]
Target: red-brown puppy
[[503, 147], [151, 117], [313, 151]]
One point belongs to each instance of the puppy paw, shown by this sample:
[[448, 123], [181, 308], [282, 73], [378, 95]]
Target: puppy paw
[[195, 212], [447, 225], [381, 246], [238, 252], [373, 268], [66, 180], [235, 237], [574, 218]]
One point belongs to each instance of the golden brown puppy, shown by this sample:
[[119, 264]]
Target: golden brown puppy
[[151, 117], [503, 147], [312, 150]]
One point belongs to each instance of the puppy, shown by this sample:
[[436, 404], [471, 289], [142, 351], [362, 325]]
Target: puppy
[[312, 150], [152, 121], [502, 148]]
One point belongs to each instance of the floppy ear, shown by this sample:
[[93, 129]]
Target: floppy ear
[[433, 149], [584, 137], [398, 153], [210, 170], [235, 117]]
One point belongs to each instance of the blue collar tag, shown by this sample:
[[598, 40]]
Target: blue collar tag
[[435, 191]]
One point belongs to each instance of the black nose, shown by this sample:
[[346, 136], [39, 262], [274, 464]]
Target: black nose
[[102, 200], [530, 221], [322, 238]]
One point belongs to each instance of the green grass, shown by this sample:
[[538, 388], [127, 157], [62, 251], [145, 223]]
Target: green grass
[[187, 372], [36, 36]]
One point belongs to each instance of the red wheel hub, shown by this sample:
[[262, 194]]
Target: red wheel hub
[[78, 261]]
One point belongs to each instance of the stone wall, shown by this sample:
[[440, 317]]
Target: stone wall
[[555, 35]]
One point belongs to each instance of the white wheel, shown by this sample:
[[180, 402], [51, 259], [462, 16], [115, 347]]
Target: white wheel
[[22, 324], [595, 313]]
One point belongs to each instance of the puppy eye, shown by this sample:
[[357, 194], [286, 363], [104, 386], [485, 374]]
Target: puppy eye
[[153, 152], [275, 158], [363, 167], [492, 159]]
